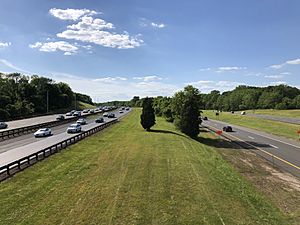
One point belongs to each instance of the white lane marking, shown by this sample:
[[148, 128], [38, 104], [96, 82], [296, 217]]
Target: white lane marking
[[251, 137], [273, 146], [271, 138]]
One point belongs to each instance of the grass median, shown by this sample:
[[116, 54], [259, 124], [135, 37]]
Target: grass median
[[273, 127], [125, 175]]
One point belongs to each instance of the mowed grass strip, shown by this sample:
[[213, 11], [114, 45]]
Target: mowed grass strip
[[292, 113], [273, 127], [126, 175]]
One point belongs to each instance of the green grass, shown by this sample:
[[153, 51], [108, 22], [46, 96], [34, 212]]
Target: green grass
[[293, 113], [274, 127], [83, 105], [126, 175]]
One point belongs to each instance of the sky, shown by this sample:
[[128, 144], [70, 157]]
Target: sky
[[114, 50]]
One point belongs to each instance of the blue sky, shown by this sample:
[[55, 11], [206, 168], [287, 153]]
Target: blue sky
[[113, 50]]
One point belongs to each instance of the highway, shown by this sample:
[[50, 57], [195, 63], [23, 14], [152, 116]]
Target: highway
[[283, 152], [276, 118], [13, 149]]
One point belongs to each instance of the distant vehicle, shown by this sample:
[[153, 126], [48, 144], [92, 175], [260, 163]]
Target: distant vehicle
[[69, 114], [3, 125], [111, 115], [204, 118], [105, 114], [120, 111], [73, 111], [232, 112], [86, 111], [227, 128], [74, 128], [81, 121], [243, 113], [43, 132], [60, 117], [99, 120], [77, 113], [123, 108], [92, 111], [127, 108]]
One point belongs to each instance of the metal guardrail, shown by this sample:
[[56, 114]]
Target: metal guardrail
[[23, 163]]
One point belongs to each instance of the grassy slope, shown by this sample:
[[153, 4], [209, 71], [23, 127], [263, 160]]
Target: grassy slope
[[83, 105], [293, 113], [273, 127], [125, 175]]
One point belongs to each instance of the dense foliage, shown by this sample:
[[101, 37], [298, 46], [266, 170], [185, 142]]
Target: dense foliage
[[246, 97], [84, 98], [22, 96], [147, 116]]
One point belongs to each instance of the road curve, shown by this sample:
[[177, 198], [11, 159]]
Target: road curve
[[283, 152]]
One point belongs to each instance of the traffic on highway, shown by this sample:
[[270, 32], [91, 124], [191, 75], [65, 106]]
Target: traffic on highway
[[283, 152]]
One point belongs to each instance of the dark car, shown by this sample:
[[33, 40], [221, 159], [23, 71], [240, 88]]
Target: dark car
[[60, 117], [227, 128], [3, 125], [205, 118], [111, 115], [99, 120]]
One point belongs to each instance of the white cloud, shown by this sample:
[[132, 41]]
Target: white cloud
[[5, 44], [229, 69], [12, 66], [207, 86], [204, 69], [293, 62], [148, 78], [277, 83], [285, 73], [110, 79], [97, 31], [71, 14], [274, 76], [276, 67], [289, 62], [115, 88], [160, 25], [63, 46]]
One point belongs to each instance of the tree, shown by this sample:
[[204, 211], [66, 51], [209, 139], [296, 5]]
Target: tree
[[186, 105], [147, 116]]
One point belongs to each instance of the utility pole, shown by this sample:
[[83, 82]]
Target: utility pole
[[75, 102], [47, 101]]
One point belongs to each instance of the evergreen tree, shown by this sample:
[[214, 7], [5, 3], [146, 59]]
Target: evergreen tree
[[147, 116]]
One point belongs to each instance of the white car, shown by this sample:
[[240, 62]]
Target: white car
[[43, 132], [74, 128], [81, 121], [105, 114]]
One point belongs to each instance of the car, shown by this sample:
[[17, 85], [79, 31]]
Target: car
[[105, 114], [60, 117], [204, 118], [74, 128], [43, 132], [73, 111], [111, 115], [92, 111], [120, 111], [227, 128], [81, 121], [127, 108], [99, 120], [77, 113], [123, 108], [69, 114], [3, 125], [232, 112], [86, 111], [243, 113]]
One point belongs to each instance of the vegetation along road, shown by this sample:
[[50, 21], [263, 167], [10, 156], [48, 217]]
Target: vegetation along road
[[126, 175]]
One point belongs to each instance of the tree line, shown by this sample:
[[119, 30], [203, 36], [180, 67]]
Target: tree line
[[22, 96]]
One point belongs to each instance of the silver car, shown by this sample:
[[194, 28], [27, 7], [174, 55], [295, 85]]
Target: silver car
[[81, 121], [74, 128], [43, 132]]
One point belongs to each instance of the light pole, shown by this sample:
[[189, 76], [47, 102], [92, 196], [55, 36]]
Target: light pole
[[75, 102], [47, 101]]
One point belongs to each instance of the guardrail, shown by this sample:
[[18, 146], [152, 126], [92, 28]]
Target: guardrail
[[23, 163]]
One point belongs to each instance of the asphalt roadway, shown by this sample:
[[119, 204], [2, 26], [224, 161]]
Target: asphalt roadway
[[281, 152], [19, 147], [276, 118]]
